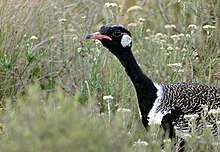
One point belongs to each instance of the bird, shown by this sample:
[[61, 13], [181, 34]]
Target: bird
[[166, 104]]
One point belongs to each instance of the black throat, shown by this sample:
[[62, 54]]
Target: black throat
[[145, 89]]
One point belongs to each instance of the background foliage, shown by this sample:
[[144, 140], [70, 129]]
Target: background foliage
[[52, 80]]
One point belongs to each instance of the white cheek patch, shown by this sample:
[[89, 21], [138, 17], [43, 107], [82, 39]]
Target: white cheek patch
[[126, 41]]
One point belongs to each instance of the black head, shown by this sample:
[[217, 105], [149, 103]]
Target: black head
[[113, 37]]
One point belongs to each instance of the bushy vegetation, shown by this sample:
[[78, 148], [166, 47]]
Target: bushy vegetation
[[52, 80]]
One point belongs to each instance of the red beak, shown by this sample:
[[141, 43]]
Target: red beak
[[98, 36]]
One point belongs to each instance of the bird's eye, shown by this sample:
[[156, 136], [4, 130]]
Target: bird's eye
[[117, 33]]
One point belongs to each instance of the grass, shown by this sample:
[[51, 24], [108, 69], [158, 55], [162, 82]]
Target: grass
[[52, 80]]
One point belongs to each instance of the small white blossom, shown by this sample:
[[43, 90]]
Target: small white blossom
[[177, 48], [159, 35], [148, 30], [169, 48], [75, 38], [132, 24], [175, 65], [140, 143], [180, 35], [111, 4], [167, 140], [175, 37], [33, 37], [62, 20], [192, 26], [146, 38], [162, 41], [124, 110], [184, 50], [208, 27], [79, 50], [181, 71], [194, 53], [108, 97], [142, 19], [169, 26], [187, 36]]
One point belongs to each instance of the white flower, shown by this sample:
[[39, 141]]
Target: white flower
[[187, 35], [111, 4], [33, 37], [162, 41], [169, 48], [108, 97], [148, 30], [141, 19], [167, 140], [140, 143], [159, 35], [175, 65], [180, 35], [192, 26], [132, 24], [184, 50], [194, 53], [175, 37], [124, 110], [177, 48], [146, 38], [75, 38], [169, 26], [208, 27], [62, 20]]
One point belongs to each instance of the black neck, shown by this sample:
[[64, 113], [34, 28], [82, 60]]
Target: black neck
[[145, 89]]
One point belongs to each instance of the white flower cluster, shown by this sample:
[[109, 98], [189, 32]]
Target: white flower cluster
[[108, 97], [111, 4], [123, 110], [140, 143], [175, 65], [33, 37], [170, 26]]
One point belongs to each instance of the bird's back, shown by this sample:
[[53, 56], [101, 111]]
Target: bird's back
[[184, 99], [190, 97]]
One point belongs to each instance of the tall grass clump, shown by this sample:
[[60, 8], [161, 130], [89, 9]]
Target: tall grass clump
[[58, 123]]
